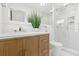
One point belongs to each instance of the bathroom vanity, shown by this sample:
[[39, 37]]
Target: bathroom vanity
[[22, 44]]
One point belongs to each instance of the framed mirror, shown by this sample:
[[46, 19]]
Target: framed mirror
[[17, 15]]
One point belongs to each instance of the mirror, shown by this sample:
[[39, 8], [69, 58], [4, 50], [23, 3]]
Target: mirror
[[17, 15]]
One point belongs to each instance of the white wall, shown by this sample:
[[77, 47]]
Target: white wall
[[47, 19], [0, 19], [73, 40]]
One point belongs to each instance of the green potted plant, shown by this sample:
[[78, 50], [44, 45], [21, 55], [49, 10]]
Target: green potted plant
[[35, 20]]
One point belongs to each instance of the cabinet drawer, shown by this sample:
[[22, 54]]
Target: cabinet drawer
[[44, 42], [44, 37], [44, 45], [44, 52]]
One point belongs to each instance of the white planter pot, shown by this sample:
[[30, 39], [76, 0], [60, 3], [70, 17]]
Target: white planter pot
[[36, 29]]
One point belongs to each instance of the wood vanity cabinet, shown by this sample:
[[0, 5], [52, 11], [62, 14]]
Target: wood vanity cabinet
[[25, 46], [11, 47]]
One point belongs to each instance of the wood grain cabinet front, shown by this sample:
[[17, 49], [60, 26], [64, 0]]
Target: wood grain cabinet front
[[44, 45], [25, 46], [11, 47], [31, 46], [1, 48]]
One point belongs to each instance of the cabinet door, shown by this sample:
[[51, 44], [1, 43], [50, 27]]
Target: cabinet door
[[12, 47], [1, 48], [44, 45], [31, 46]]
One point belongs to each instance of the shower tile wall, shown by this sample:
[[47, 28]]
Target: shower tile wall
[[64, 30]]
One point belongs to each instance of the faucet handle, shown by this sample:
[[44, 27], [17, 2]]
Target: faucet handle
[[20, 29]]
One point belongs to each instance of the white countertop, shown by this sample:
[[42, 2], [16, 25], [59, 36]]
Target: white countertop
[[20, 34]]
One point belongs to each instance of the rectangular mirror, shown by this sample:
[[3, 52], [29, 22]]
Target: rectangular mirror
[[17, 15]]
